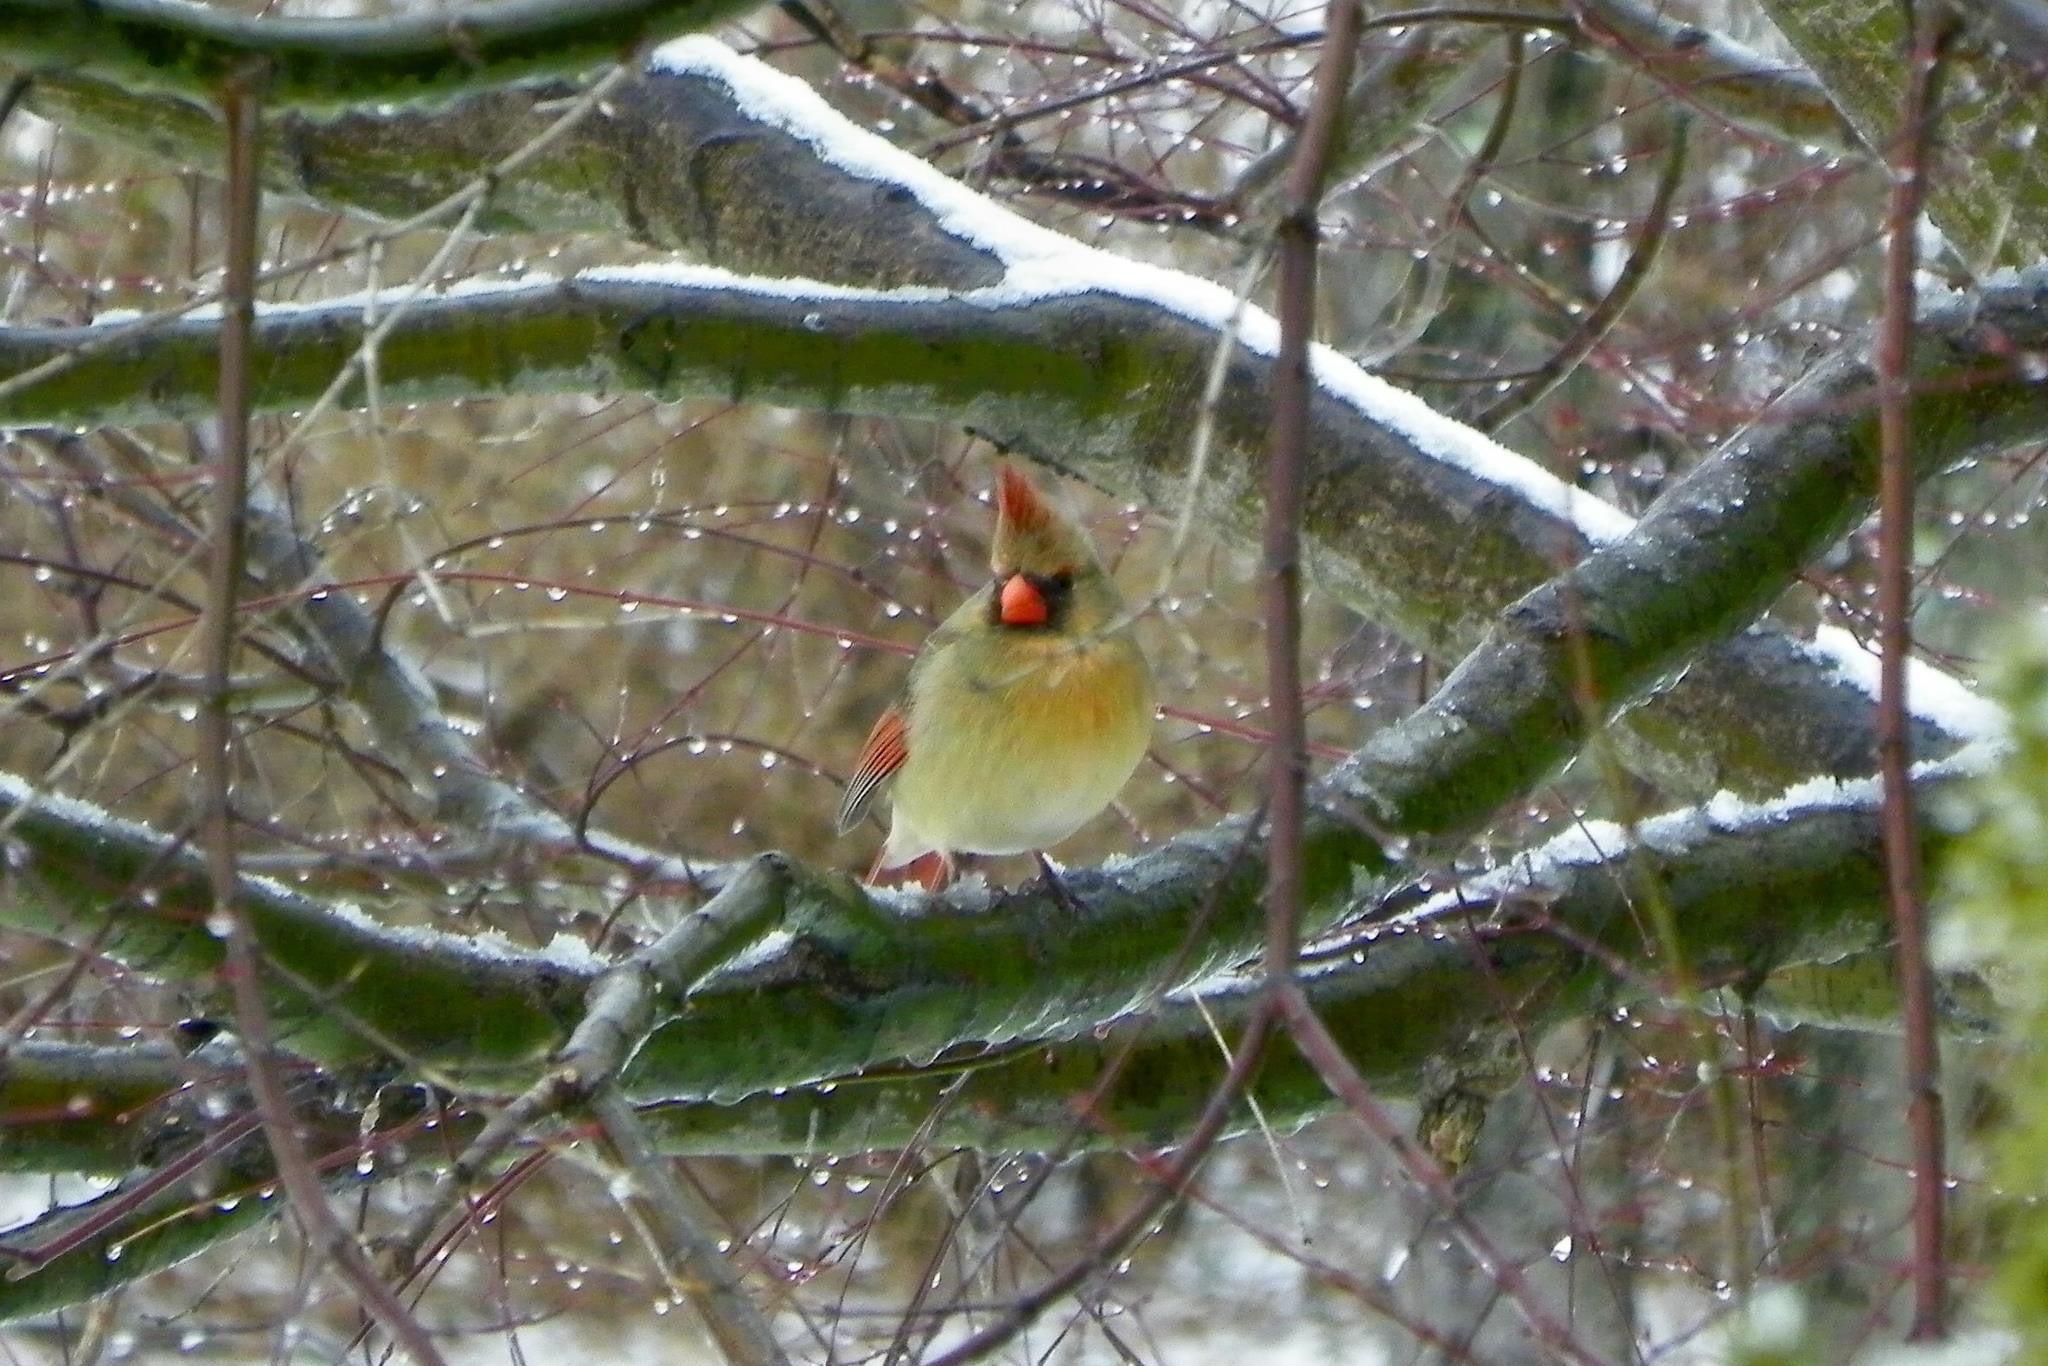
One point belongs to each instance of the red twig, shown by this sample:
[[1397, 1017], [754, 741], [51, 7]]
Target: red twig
[[1297, 231], [1894, 727], [1167, 1188], [1297, 235], [242, 108]]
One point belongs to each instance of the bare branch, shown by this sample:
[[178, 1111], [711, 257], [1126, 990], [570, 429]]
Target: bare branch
[[1125, 424], [617, 1016], [1911, 177], [1540, 921], [1600, 320], [243, 968], [678, 1230]]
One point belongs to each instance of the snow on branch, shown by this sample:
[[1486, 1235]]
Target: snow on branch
[[1039, 265], [1596, 853], [717, 140]]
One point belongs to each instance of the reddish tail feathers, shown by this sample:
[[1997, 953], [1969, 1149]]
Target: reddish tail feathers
[[934, 871]]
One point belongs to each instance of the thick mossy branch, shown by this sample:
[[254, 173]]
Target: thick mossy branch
[[867, 981], [208, 1171], [862, 983], [1709, 70], [1706, 559], [1430, 987], [343, 988], [668, 161], [171, 1227], [876, 979], [81, 1108], [161, 47], [1424, 991]]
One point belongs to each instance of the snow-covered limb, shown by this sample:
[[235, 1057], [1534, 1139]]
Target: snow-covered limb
[[854, 982], [1601, 850], [912, 258], [1762, 894], [1404, 996], [1757, 888], [1038, 265], [1085, 358], [1098, 379]]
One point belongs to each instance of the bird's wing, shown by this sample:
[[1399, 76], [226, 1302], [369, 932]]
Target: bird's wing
[[888, 743], [883, 754]]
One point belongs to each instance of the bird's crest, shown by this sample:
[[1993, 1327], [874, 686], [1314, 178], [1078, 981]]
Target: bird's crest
[[1031, 533], [1021, 506]]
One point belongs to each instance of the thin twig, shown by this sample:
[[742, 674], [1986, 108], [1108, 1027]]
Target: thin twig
[[454, 202], [1297, 236], [1486, 156], [1600, 321], [677, 1233], [217, 629], [1183, 68], [1326, 1055], [1167, 1187], [1895, 609], [393, 695], [1204, 440], [1384, 118], [619, 1009]]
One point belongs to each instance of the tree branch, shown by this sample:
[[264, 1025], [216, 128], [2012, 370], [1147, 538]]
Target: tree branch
[[617, 1015], [1095, 379], [678, 1226], [709, 142], [1715, 551], [1546, 929], [163, 48], [344, 988], [1712, 72]]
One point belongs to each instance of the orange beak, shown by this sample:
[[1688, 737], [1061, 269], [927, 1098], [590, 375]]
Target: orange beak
[[1022, 604]]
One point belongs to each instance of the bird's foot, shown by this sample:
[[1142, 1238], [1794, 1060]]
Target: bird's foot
[[1055, 883], [934, 870]]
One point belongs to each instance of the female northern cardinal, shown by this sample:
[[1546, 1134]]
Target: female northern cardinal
[[1025, 711]]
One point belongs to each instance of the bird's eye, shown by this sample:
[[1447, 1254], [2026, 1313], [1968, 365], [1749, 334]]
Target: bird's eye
[[1062, 580]]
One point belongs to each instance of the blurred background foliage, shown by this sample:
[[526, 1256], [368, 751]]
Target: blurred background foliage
[[1997, 880]]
